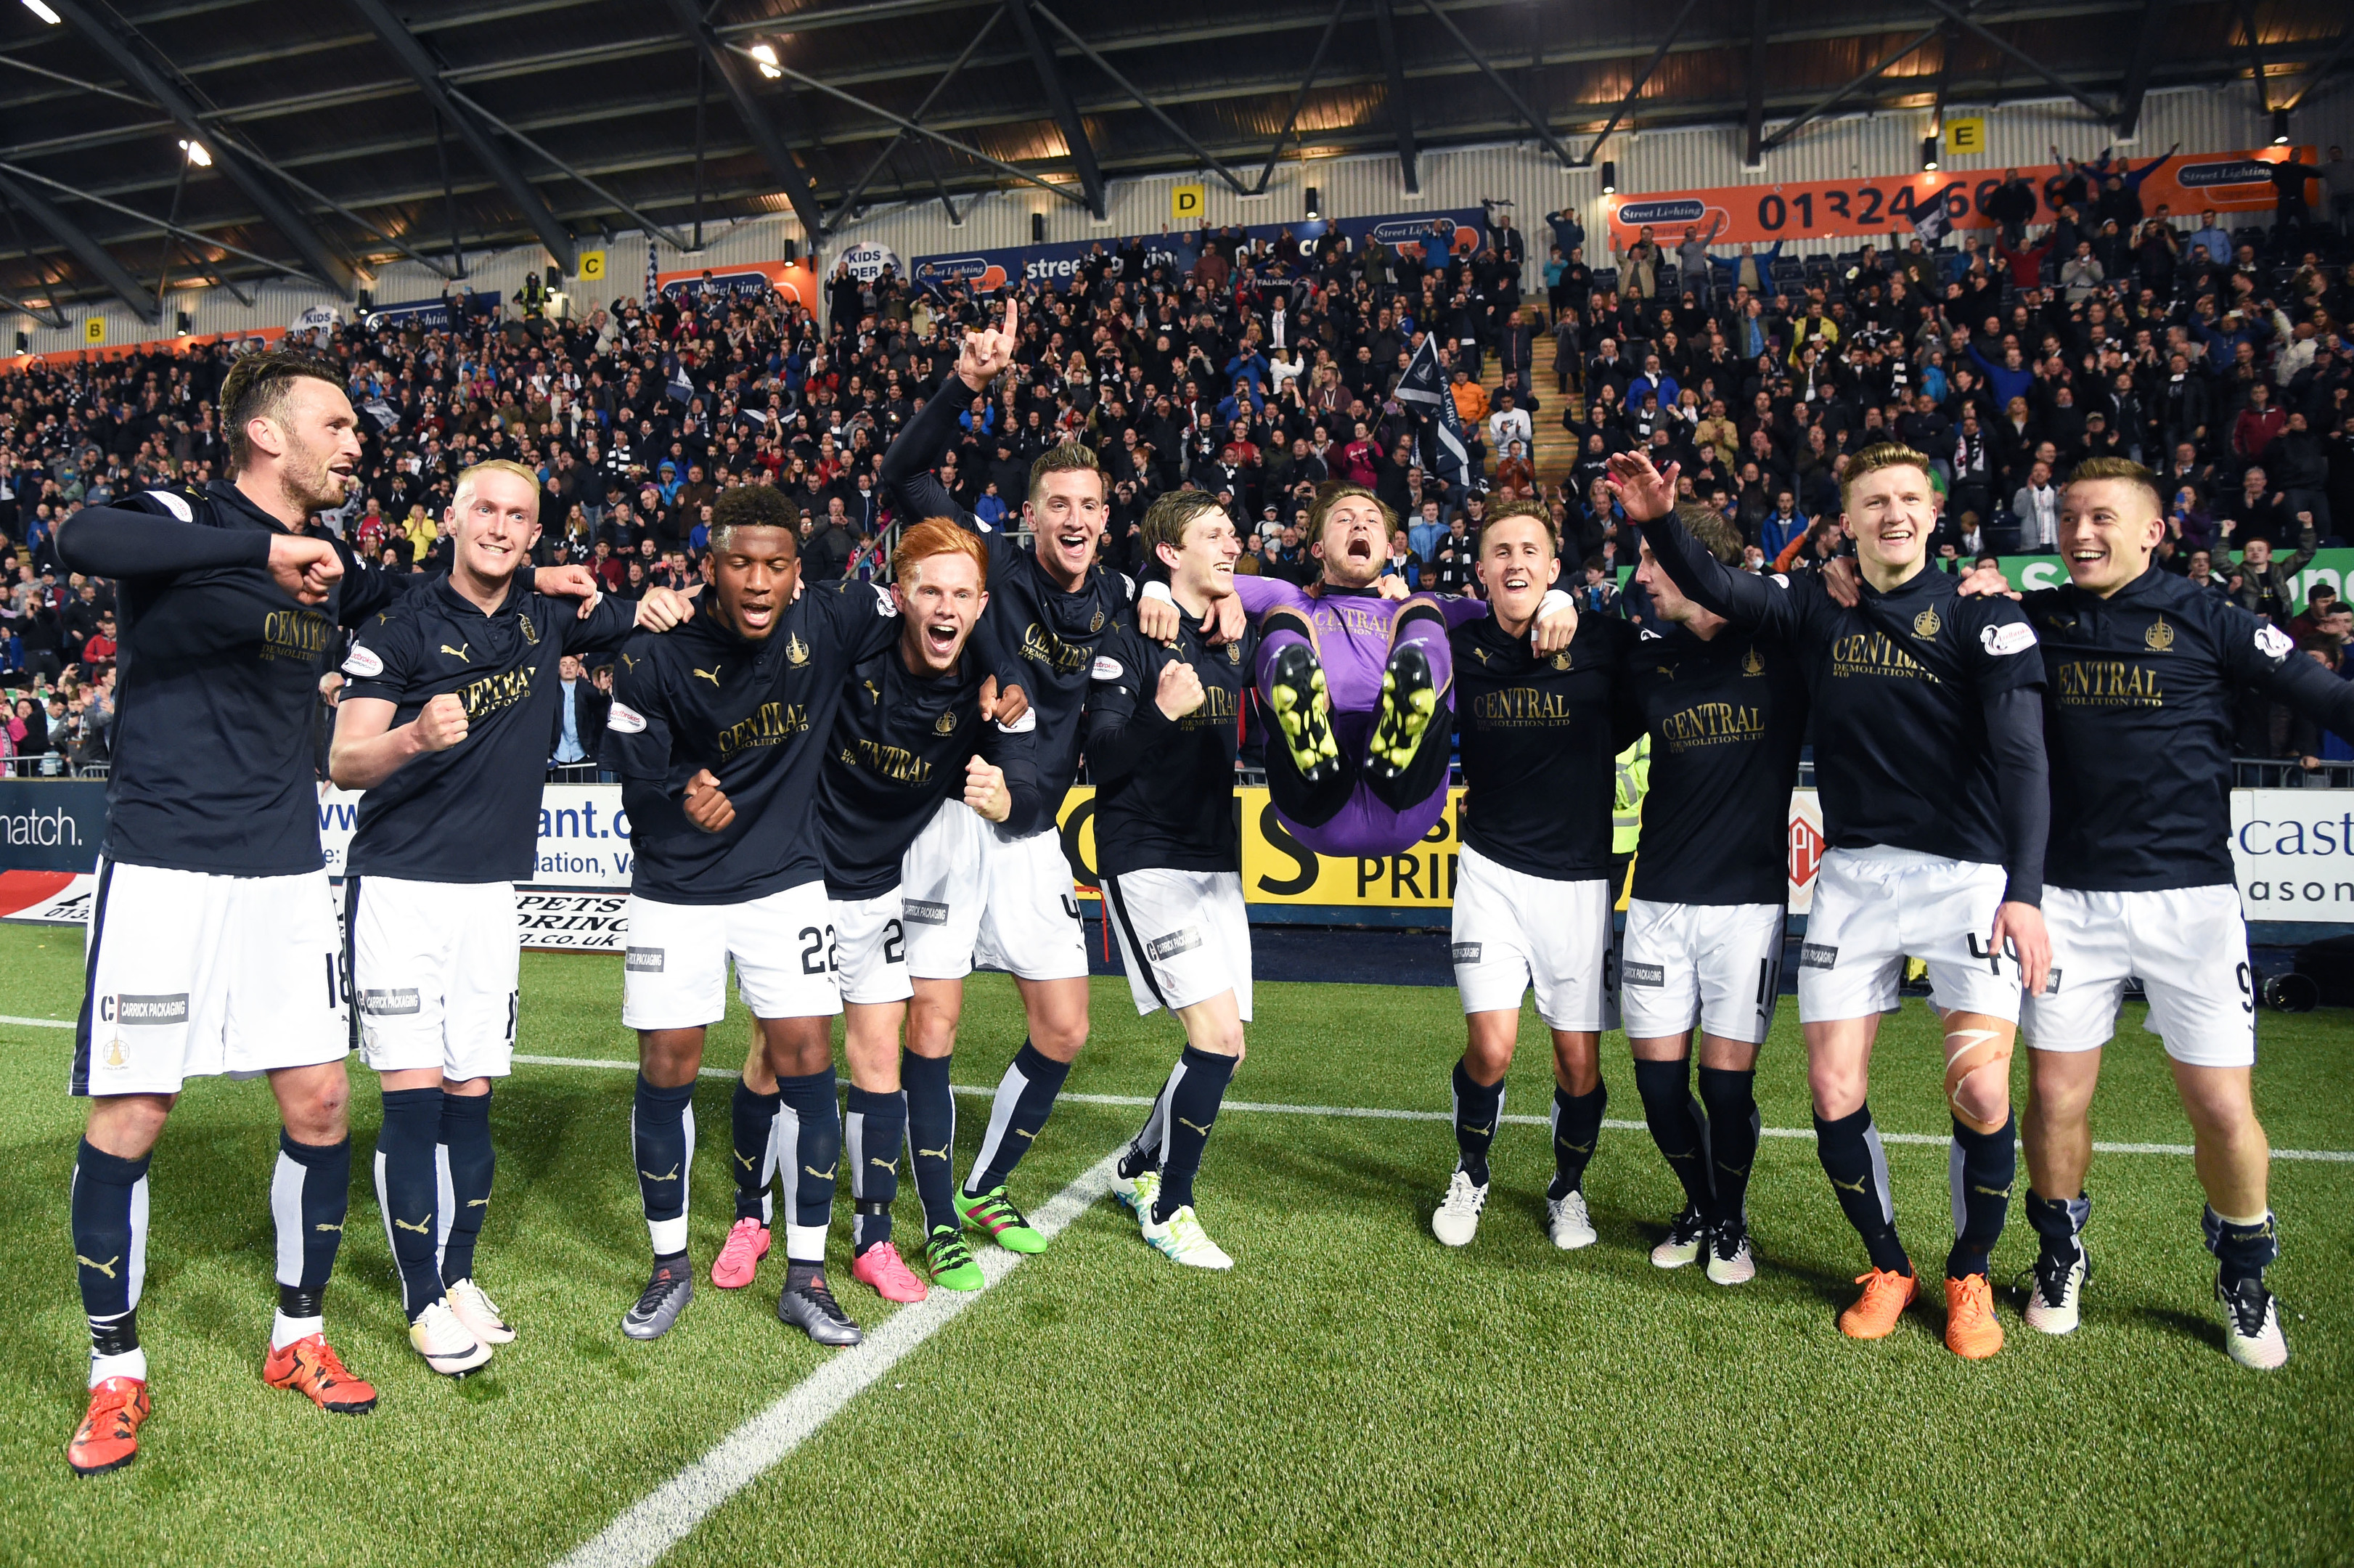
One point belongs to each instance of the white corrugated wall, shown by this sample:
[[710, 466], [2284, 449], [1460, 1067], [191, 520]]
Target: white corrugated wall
[[2201, 119]]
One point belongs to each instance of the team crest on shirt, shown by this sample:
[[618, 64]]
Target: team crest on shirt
[[874, 692], [2159, 637], [796, 651], [1750, 664], [1234, 652], [1925, 625], [945, 723], [1560, 661], [530, 633], [1097, 624]]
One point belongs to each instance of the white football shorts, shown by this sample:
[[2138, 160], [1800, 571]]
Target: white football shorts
[[435, 974], [194, 975], [973, 896], [1184, 936], [1514, 931], [1717, 964], [674, 972], [2189, 948], [870, 949], [1876, 907]]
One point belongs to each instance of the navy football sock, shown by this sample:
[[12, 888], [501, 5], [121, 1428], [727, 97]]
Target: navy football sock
[[1730, 1099], [2057, 1222], [1849, 1151], [809, 1150], [1576, 1128], [2244, 1251], [1025, 1099], [931, 1136], [661, 1142], [1478, 1108], [1677, 1125], [469, 1163], [752, 1126], [1193, 1095], [109, 1240], [871, 1133], [1981, 1171], [408, 1192]]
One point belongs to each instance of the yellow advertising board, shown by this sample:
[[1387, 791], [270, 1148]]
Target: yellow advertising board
[[1280, 871]]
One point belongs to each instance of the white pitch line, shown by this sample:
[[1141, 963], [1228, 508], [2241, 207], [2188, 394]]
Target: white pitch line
[[1380, 1113], [641, 1535]]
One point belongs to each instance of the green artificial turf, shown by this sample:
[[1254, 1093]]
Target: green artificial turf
[[1350, 1393]]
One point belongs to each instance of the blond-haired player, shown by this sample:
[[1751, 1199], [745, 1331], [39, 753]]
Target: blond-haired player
[[444, 723]]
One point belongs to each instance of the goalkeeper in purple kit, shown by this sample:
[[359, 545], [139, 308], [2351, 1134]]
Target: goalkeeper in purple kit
[[1359, 679]]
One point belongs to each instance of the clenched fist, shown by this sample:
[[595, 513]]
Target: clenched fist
[[305, 567], [985, 791], [443, 723], [706, 807], [1181, 689]]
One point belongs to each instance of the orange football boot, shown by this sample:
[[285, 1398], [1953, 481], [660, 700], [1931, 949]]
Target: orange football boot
[[1971, 1328], [1886, 1294], [108, 1437], [310, 1366]]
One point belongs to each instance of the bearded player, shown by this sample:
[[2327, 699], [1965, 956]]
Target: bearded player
[[212, 942]]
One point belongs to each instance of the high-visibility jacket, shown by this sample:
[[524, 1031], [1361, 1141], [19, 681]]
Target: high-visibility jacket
[[1627, 802]]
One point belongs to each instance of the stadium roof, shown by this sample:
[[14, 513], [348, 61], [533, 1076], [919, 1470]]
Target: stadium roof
[[342, 133]]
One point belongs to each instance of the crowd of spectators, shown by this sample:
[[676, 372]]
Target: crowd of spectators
[[1257, 370], [2219, 359]]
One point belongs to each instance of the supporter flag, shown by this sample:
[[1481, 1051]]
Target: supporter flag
[[1934, 224], [654, 286], [1423, 390]]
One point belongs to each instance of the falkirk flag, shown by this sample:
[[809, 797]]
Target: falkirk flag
[[1423, 390]]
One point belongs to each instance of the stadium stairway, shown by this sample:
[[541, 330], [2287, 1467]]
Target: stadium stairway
[[1555, 448]]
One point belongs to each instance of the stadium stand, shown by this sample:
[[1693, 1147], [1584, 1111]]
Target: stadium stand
[[2228, 374]]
